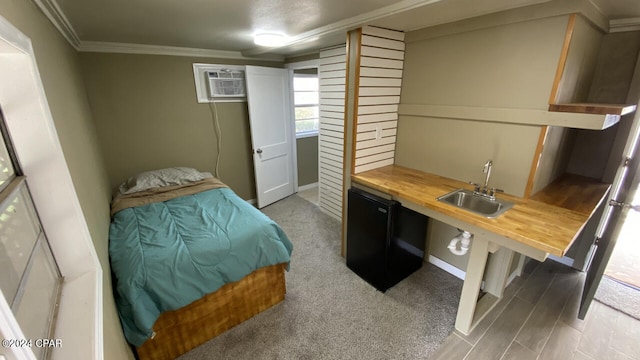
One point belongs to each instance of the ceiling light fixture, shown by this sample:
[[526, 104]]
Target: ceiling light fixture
[[269, 39]]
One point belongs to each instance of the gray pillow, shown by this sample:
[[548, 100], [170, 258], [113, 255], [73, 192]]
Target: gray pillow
[[158, 178]]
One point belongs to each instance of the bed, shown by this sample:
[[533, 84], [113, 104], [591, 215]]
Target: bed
[[190, 260]]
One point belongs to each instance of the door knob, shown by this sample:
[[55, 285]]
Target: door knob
[[259, 151]]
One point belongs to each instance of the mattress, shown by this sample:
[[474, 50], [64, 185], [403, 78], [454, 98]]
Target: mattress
[[165, 255]]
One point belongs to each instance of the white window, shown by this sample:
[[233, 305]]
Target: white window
[[30, 279], [79, 321], [306, 104]]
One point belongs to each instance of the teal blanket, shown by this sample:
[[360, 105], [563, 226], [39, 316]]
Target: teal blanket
[[166, 255]]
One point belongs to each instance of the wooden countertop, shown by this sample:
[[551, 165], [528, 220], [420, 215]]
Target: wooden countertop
[[549, 221]]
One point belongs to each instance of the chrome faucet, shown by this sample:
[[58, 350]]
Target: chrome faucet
[[486, 191], [487, 170]]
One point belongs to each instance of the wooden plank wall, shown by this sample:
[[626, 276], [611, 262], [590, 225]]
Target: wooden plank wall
[[381, 64], [332, 74]]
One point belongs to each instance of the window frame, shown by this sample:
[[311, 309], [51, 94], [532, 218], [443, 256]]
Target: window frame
[[16, 186], [311, 133]]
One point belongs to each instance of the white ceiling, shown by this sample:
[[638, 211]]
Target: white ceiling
[[229, 25], [619, 9]]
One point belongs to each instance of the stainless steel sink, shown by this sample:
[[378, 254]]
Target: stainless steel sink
[[465, 199]]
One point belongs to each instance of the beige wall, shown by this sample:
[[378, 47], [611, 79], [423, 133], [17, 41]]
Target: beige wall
[[60, 72], [510, 65], [633, 96], [148, 117], [615, 67], [294, 59], [307, 153], [555, 156], [597, 153], [439, 235], [458, 149], [580, 63]]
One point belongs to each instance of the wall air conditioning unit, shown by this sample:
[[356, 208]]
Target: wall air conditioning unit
[[225, 84]]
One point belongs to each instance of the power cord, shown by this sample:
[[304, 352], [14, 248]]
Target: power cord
[[213, 109]]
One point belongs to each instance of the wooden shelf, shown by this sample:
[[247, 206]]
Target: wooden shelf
[[580, 120], [597, 109]]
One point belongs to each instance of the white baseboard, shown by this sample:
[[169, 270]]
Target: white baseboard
[[447, 267], [300, 188], [307, 187], [451, 269]]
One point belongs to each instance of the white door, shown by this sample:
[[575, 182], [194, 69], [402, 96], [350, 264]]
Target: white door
[[268, 97], [622, 192]]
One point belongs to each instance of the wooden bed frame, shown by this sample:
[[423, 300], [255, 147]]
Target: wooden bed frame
[[184, 329]]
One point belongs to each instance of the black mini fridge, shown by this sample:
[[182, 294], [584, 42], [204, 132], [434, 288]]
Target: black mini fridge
[[385, 241]]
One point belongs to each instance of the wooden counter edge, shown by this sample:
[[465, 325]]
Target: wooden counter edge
[[481, 221]]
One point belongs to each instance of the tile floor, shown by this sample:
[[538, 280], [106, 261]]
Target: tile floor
[[537, 319]]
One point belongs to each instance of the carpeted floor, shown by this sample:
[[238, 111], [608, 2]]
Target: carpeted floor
[[330, 313], [619, 296]]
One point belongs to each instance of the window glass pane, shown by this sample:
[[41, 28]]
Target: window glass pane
[[306, 125], [36, 306], [305, 97], [305, 83], [6, 167], [19, 229], [307, 112]]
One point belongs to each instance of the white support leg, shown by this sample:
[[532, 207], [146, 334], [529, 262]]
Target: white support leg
[[472, 283]]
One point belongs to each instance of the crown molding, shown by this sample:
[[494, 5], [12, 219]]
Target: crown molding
[[126, 48], [51, 9], [620, 25], [54, 13]]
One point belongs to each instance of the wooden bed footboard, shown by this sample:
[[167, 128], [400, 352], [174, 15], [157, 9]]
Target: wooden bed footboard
[[184, 329]]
